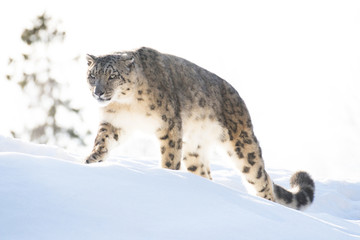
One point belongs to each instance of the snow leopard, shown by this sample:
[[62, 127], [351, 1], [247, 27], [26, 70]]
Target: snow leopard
[[190, 110]]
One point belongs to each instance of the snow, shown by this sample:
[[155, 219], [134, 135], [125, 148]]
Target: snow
[[48, 193], [296, 65]]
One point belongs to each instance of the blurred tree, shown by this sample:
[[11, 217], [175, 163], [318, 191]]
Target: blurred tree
[[41, 87]]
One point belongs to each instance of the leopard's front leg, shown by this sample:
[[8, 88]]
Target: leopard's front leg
[[171, 143], [107, 137]]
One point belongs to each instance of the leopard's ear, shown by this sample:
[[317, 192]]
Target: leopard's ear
[[90, 59], [129, 62]]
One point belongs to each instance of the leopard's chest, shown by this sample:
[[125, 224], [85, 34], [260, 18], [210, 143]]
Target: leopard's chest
[[131, 118]]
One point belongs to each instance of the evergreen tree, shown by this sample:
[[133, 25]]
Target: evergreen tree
[[38, 83]]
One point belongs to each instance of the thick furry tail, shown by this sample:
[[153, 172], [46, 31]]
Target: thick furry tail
[[301, 194]]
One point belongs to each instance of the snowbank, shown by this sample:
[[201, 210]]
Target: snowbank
[[46, 193]]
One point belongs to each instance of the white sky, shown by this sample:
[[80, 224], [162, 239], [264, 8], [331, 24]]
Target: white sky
[[295, 63]]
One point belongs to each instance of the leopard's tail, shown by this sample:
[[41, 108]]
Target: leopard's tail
[[301, 194]]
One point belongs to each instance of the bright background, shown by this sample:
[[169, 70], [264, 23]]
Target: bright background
[[295, 63]]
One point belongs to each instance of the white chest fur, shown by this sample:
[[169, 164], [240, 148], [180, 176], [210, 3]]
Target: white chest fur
[[130, 118]]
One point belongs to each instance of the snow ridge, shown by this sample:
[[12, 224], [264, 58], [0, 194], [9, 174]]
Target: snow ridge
[[46, 193]]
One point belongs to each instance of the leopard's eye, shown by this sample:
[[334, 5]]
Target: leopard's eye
[[92, 76], [112, 76]]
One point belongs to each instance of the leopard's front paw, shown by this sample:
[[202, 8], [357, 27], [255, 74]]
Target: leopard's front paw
[[93, 158]]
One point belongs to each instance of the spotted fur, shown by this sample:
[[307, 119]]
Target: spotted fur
[[189, 109]]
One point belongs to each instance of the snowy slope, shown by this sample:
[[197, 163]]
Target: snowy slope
[[47, 193]]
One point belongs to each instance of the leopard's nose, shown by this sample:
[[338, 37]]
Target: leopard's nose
[[99, 91]]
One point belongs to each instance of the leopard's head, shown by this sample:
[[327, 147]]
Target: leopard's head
[[110, 77]]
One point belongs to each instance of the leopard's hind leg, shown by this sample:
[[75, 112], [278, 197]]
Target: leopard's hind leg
[[245, 152], [243, 146], [195, 159]]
